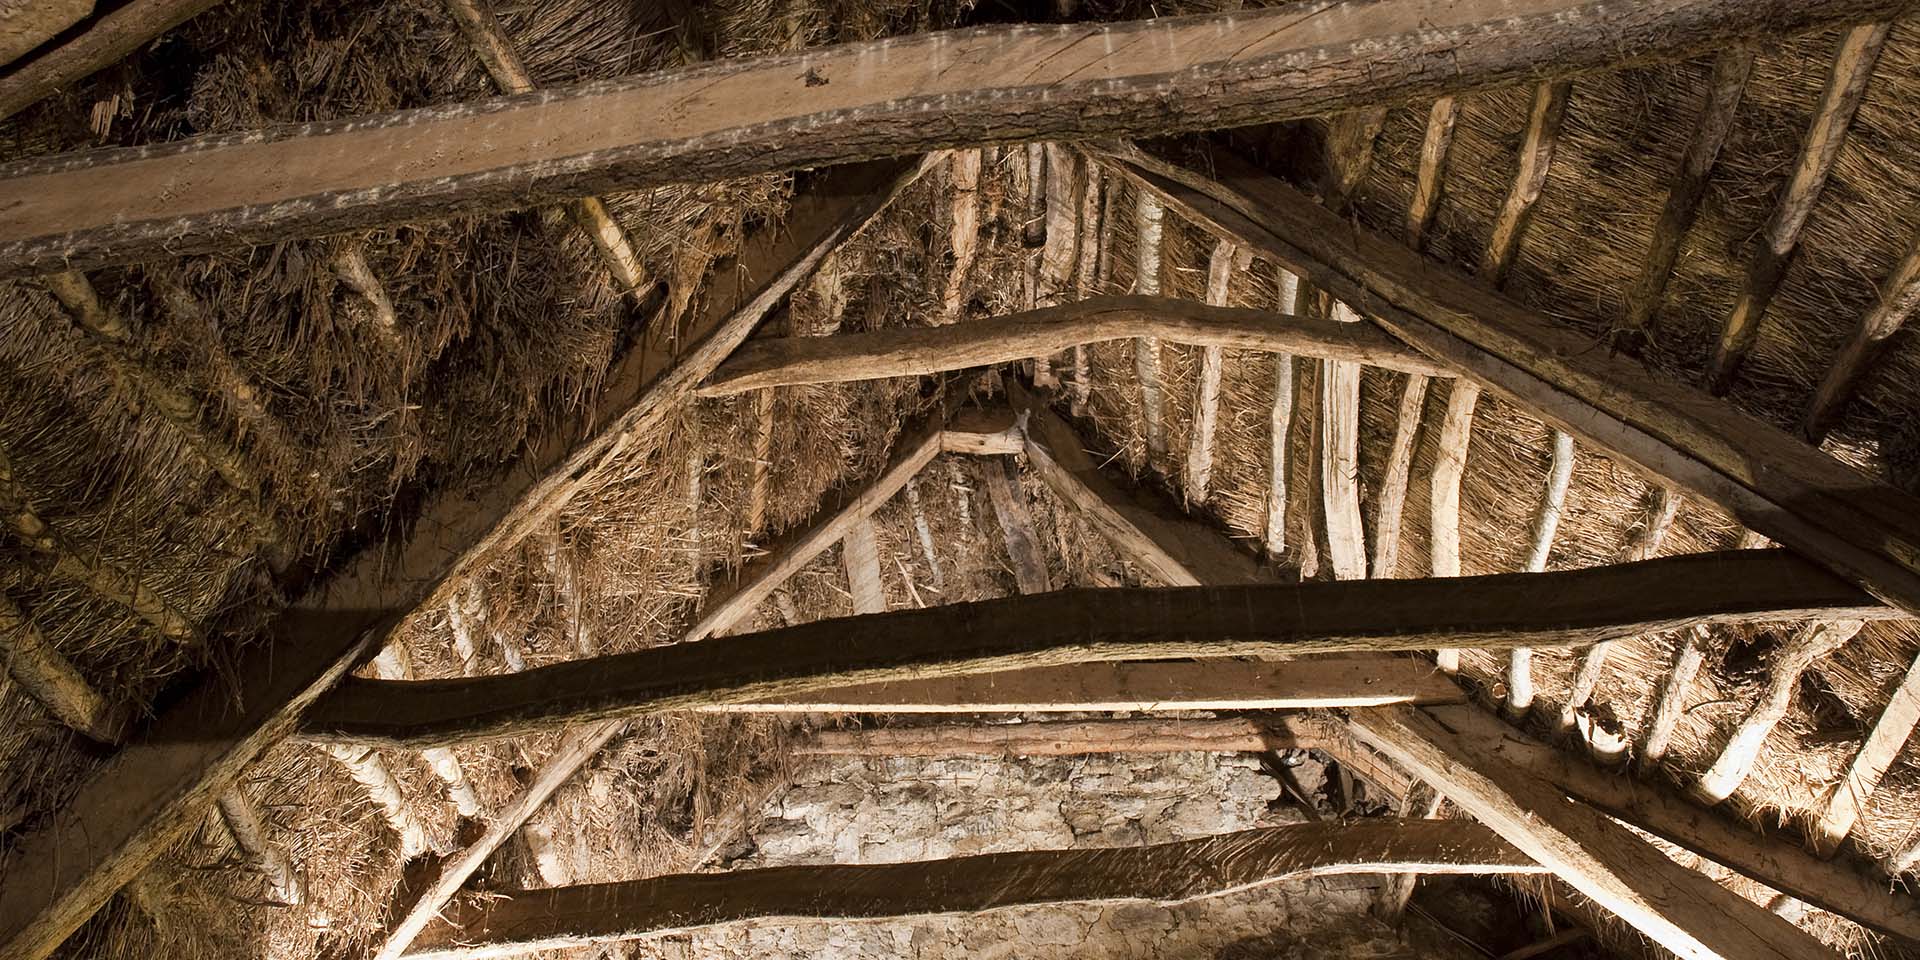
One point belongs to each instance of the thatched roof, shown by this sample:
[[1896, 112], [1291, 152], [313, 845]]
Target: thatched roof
[[505, 324]]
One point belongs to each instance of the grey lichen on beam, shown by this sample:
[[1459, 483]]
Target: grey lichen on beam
[[917, 351], [832, 105], [1372, 616]]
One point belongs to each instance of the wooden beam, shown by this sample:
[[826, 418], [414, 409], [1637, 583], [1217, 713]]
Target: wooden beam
[[819, 107], [101, 42], [1666, 813], [860, 555], [1673, 696], [1221, 265], [1456, 438], [52, 681], [1536, 160], [1076, 626], [1170, 548], [1430, 180], [987, 432], [729, 603], [1061, 738], [1765, 478], [1899, 297], [1016, 526], [1783, 678], [160, 785], [1280, 427], [26, 24], [242, 820], [1846, 85], [964, 232], [495, 49], [1849, 797], [1678, 908], [1339, 456], [917, 351], [1724, 92], [1201, 685], [1546, 522], [1163, 873], [1147, 219]]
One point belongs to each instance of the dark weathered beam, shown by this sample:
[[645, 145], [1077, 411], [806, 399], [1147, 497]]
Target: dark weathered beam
[[1075, 626], [530, 920], [886, 97], [1676, 907], [160, 785], [1769, 480], [1665, 812], [101, 43], [1333, 682], [915, 351], [1846, 86]]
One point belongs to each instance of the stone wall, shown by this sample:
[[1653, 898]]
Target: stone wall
[[856, 810]]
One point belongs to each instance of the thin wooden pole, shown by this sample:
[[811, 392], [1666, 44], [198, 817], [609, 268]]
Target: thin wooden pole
[[1899, 297], [1783, 676], [1891, 732]]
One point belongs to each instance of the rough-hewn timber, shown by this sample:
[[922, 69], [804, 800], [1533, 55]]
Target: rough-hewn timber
[[915, 351], [1058, 738], [1074, 626], [1846, 85], [1010, 508], [887, 97], [1783, 677], [1890, 734], [160, 784], [1769, 480], [1899, 297], [1676, 907], [26, 24], [1201, 685], [1665, 812], [1164, 873]]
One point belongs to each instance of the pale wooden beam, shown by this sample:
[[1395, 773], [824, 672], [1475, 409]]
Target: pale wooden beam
[[963, 235], [1803, 499], [1280, 427], [860, 555], [1544, 116], [1667, 813], [1724, 92], [26, 24], [1546, 522], [1093, 233], [1162, 873], [1059, 738], [102, 42], [395, 662], [250, 838], [1843, 806], [729, 603], [917, 351], [1221, 265], [899, 95], [1249, 620], [496, 51], [1672, 702], [1339, 455], [1147, 220], [1846, 85], [1160, 687], [1010, 508], [1783, 677], [1899, 297], [1679, 909], [1430, 179], [52, 681], [160, 784], [370, 770], [1456, 437]]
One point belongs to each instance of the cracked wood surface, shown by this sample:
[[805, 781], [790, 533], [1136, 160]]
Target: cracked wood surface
[[857, 101]]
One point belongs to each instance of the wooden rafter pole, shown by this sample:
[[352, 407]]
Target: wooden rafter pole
[[1015, 516], [1672, 702], [1680, 909], [1848, 799], [903, 95], [1846, 85], [31, 23], [1148, 217], [503, 63], [1056, 738], [915, 351], [1280, 427], [103, 41], [160, 784], [1546, 522], [860, 555], [1222, 263], [1783, 677], [53, 681], [1331, 683], [1728, 85], [1167, 872], [1899, 297], [1803, 499]]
